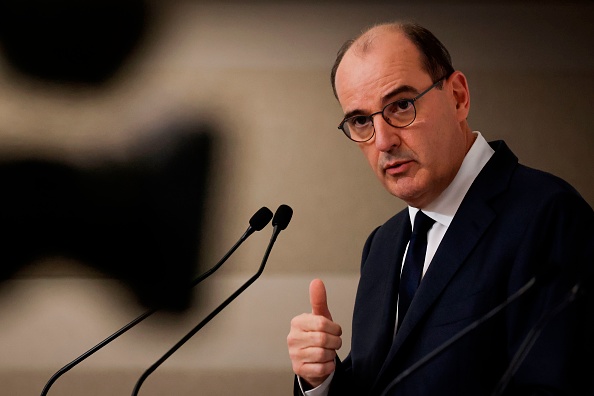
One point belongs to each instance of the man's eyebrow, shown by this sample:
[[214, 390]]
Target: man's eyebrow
[[397, 91]]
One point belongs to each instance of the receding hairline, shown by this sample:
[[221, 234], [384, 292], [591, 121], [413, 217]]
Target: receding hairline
[[364, 42], [435, 58]]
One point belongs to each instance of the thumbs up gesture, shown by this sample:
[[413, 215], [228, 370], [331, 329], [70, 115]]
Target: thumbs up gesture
[[314, 339]]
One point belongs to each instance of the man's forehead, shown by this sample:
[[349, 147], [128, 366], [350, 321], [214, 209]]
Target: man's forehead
[[384, 46], [382, 49], [377, 63]]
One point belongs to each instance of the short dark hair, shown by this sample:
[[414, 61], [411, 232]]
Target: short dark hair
[[435, 57]]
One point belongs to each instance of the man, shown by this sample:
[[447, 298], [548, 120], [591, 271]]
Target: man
[[495, 228]]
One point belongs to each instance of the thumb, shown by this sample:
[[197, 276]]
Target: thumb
[[318, 300]]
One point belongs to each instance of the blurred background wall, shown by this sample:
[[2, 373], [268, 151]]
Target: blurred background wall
[[255, 75]]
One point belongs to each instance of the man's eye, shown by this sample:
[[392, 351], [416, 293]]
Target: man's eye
[[359, 121], [400, 105]]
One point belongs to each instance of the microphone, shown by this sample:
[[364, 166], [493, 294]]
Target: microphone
[[532, 336], [280, 221], [539, 278], [257, 222]]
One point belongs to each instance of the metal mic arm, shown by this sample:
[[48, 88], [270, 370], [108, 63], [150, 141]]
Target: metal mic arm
[[280, 221], [257, 222]]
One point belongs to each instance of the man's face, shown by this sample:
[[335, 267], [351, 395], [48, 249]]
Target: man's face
[[418, 162]]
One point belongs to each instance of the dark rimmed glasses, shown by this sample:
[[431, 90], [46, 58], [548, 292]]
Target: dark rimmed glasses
[[399, 114]]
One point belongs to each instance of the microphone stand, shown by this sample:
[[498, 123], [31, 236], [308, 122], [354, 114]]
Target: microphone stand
[[208, 318], [458, 335], [531, 338], [262, 216]]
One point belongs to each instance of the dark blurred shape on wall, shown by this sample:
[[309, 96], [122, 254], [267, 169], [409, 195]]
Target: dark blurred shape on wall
[[137, 220], [71, 41]]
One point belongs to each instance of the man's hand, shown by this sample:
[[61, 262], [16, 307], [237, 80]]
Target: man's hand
[[314, 338]]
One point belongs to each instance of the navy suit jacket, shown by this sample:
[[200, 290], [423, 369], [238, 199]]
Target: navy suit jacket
[[513, 224]]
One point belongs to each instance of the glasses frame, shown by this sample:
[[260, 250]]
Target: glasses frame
[[370, 116]]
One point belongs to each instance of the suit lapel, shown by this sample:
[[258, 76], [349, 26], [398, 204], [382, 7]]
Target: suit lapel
[[375, 306]]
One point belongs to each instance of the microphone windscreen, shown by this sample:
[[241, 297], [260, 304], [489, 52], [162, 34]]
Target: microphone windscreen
[[282, 217], [260, 218]]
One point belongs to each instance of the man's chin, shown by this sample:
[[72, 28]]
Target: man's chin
[[407, 194]]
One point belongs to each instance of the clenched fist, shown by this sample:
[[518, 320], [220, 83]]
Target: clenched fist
[[314, 339]]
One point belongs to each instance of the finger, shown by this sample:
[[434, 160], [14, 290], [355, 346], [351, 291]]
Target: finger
[[305, 359], [318, 300], [302, 339]]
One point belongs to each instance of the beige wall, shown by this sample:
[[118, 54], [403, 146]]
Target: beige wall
[[260, 73]]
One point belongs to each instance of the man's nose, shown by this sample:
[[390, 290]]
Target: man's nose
[[386, 136]]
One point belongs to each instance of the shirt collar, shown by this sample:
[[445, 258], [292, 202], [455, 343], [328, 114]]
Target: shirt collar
[[444, 207]]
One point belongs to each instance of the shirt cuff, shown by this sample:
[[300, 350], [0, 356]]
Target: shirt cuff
[[320, 390]]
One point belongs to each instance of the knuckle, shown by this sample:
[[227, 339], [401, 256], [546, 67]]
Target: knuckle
[[295, 321], [320, 355], [319, 322], [320, 338]]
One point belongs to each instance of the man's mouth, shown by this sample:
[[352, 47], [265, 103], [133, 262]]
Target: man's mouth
[[396, 168]]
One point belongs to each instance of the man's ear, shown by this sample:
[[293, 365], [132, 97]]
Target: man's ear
[[461, 94]]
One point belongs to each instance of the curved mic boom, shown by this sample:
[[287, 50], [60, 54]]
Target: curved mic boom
[[541, 278], [281, 219], [257, 222]]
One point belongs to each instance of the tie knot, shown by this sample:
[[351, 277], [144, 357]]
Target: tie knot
[[422, 223]]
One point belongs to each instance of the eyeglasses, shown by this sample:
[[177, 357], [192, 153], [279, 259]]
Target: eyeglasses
[[399, 114]]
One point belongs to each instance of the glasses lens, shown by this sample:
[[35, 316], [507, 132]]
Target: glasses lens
[[400, 113], [358, 128]]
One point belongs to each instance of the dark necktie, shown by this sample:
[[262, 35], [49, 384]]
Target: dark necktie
[[413, 263]]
